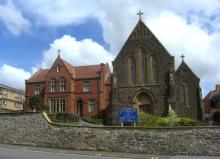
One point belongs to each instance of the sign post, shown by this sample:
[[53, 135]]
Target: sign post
[[128, 115]]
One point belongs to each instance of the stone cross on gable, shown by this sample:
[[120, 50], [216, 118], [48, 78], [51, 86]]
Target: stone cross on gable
[[140, 13], [182, 56], [58, 51]]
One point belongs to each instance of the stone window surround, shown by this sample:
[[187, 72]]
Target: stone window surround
[[86, 86], [37, 90], [57, 104], [62, 84], [91, 105], [52, 85]]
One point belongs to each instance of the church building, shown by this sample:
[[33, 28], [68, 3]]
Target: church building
[[144, 77]]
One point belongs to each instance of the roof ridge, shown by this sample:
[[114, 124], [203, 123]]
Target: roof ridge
[[89, 65], [11, 88]]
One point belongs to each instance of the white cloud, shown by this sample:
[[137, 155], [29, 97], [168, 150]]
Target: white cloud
[[13, 19], [12, 76], [182, 26], [85, 52], [59, 13], [199, 47]]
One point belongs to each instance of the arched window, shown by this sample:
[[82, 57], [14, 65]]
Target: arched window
[[62, 84], [153, 69], [142, 63], [53, 85], [185, 97], [132, 66]]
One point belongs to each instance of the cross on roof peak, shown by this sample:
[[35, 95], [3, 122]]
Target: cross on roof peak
[[140, 13], [58, 51], [182, 56]]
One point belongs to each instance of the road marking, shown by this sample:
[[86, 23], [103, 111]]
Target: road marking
[[62, 153]]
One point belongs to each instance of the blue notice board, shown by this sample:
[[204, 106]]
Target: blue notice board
[[127, 115]]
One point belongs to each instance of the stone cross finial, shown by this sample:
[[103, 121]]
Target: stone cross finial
[[58, 51], [182, 56], [140, 13]]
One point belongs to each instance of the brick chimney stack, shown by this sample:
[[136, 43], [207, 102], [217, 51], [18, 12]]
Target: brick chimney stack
[[217, 87]]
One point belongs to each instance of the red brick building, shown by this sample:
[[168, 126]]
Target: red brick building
[[83, 90], [207, 109]]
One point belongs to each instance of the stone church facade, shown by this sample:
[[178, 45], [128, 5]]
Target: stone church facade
[[144, 77]]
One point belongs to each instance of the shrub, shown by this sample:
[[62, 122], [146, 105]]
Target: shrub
[[94, 120], [216, 116], [145, 119], [162, 121], [63, 117], [36, 103], [187, 122]]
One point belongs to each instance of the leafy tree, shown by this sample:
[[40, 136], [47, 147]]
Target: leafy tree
[[216, 116], [36, 103], [215, 101]]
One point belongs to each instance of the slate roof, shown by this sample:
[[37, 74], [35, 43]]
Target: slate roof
[[39, 76], [78, 72], [211, 94], [184, 65], [69, 67], [91, 71]]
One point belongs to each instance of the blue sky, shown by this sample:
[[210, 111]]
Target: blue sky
[[91, 32], [28, 48]]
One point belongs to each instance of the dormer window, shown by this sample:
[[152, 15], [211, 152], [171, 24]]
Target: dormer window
[[58, 68]]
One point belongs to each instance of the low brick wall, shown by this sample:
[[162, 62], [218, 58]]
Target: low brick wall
[[32, 129]]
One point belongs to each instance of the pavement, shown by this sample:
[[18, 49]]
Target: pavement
[[84, 123], [27, 152]]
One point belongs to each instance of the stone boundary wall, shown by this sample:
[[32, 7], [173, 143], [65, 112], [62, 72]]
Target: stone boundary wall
[[33, 129]]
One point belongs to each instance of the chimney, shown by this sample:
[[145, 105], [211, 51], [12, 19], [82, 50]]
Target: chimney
[[217, 87]]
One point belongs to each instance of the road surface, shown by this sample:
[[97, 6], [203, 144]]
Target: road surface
[[25, 152]]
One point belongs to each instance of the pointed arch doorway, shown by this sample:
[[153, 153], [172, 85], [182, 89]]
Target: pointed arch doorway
[[145, 102]]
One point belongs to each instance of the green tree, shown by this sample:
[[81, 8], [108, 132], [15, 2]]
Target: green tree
[[36, 103], [215, 101]]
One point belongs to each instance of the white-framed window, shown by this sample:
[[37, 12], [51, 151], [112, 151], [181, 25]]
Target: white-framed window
[[86, 86], [62, 85], [52, 85], [57, 105], [37, 90], [91, 105], [62, 105]]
